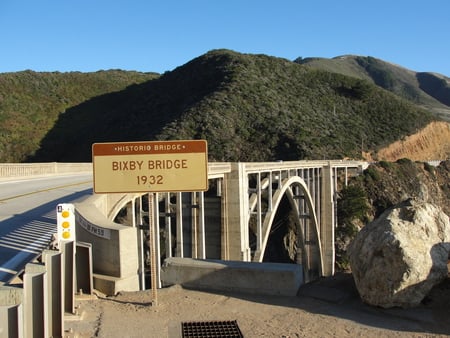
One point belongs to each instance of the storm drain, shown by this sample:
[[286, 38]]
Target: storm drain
[[214, 329]]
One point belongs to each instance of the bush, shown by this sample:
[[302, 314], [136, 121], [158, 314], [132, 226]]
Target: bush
[[385, 164], [372, 174], [352, 204], [352, 207]]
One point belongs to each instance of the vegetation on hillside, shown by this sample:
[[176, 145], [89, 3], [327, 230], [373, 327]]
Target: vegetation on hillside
[[430, 90], [248, 108], [382, 186], [31, 102]]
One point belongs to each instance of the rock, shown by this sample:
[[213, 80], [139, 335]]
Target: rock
[[399, 257]]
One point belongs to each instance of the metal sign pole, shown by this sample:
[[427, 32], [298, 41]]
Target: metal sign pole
[[153, 268]]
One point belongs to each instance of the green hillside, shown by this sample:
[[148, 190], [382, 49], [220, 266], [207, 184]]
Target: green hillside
[[429, 90], [31, 102], [248, 107]]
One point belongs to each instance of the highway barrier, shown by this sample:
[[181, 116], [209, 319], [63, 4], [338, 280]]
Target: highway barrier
[[247, 277], [37, 309]]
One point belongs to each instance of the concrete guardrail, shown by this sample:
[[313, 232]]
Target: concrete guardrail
[[15, 170]]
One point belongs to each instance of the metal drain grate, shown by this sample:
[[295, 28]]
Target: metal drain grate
[[214, 329]]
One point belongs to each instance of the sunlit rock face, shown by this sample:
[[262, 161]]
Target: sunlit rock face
[[400, 256]]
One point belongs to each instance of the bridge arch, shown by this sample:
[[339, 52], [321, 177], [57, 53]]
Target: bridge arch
[[301, 202], [247, 197]]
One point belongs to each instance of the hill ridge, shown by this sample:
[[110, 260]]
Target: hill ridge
[[428, 89], [248, 107]]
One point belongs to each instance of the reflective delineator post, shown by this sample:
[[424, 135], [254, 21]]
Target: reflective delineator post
[[65, 222]]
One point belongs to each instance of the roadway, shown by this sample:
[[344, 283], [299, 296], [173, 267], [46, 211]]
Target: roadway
[[28, 216]]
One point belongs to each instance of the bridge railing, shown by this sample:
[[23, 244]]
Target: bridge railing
[[215, 169], [10, 170]]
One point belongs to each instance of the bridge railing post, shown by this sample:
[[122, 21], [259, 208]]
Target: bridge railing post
[[53, 263], [84, 269], [35, 301], [11, 312], [68, 255], [11, 321]]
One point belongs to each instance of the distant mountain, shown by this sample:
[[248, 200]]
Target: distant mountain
[[248, 107], [430, 90]]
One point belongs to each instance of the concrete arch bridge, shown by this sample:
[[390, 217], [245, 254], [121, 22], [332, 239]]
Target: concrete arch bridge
[[237, 219]]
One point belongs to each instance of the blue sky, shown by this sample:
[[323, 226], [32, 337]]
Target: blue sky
[[147, 35]]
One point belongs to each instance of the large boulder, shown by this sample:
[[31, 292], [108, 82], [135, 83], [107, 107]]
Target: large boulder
[[399, 257]]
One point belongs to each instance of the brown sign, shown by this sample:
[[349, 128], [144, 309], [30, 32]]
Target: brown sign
[[157, 166]]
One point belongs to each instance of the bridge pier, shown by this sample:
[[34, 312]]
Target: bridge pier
[[236, 207]]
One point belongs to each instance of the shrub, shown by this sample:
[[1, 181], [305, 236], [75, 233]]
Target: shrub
[[352, 207], [372, 173], [385, 164]]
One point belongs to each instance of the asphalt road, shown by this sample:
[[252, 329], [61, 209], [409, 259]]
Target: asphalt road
[[28, 216]]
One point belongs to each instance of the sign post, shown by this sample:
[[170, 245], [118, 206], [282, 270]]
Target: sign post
[[157, 166], [152, 225]]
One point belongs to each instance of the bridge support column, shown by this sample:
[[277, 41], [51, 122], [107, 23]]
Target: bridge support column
[[327, 221], [237, 209]]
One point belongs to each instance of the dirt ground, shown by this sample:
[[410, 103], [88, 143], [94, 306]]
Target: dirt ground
[[330, 307]]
